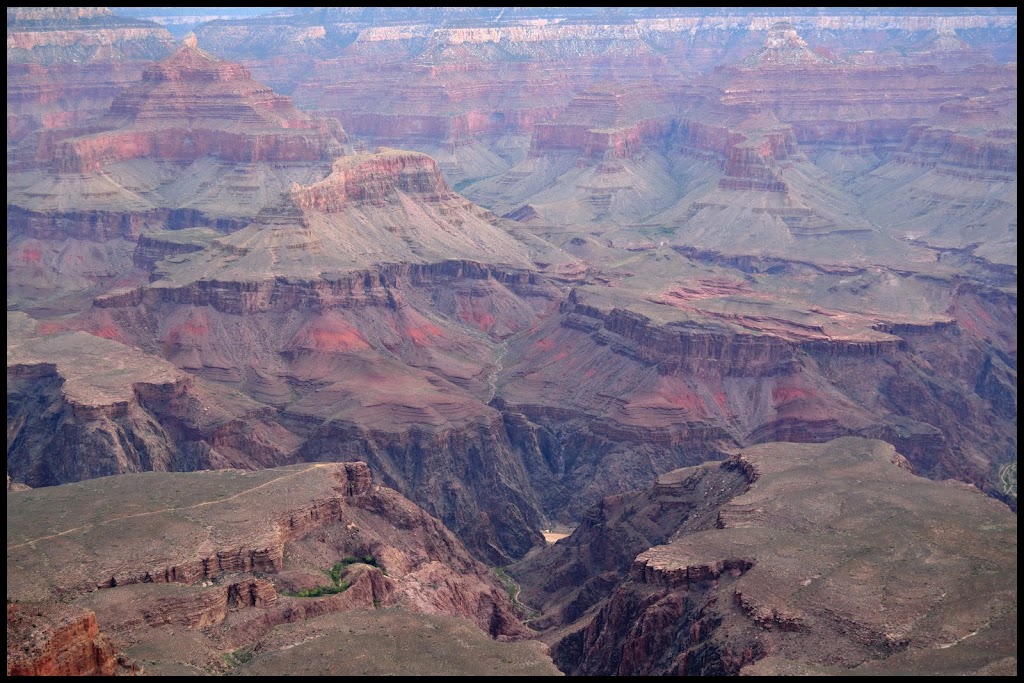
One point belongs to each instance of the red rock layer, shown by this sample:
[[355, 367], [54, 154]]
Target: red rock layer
[[191, 105], [373, 179], [65, 65], [45, 639]]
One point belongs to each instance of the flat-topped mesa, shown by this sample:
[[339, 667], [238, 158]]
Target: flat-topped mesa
[[255, 547], [770, 351], [244, 541], [603, 122], [748, 141], [375, 179], [656, 567], [820, 560]]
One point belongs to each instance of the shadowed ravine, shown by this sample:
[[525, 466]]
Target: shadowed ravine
[[333, 310]]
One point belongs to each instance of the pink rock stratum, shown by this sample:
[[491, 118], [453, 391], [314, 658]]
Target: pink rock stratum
[[518, 262]]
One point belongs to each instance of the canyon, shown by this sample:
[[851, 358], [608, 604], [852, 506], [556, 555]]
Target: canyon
[[436, 280], [783, 559], [222, 581]]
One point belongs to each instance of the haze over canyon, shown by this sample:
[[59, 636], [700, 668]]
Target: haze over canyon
[[319, 320]]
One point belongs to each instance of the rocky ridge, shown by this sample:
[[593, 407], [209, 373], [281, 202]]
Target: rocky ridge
[[231, 577], [737, 581]]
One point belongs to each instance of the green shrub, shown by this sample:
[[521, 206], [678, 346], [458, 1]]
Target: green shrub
[[322, 590], [337, 585]]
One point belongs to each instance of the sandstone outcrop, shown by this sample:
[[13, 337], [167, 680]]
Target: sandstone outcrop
[[46, 639]]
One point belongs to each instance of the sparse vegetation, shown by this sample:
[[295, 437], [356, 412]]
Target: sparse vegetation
[[512, 588], [319, 591], [335, 573], [366, 559], [336, 586], [658, 232], [236, 658]]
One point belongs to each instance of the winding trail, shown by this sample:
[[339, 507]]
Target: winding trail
[[169, 509]]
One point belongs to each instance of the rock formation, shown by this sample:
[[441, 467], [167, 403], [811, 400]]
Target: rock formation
[[48, 639], [388, 270], [234, 555], [717, 230], [829, 556], [753, 275], [66, 64]]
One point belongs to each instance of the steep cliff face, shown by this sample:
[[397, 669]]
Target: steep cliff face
[[374, 179], [361, 368], [465, 94], [748, 574], [573, 575], [378, 263], [741, 163], [482, 95], [607, 123], [228, 575], [645, 394], [463, 474], [67, 421], [45, 639], [365, 367]]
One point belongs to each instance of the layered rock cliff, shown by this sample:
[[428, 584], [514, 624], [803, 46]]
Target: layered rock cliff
[[827, 574], [46, 639], [693, 376], [65, 65], [242, 145], [229, 575], [67, 421], [813, 242]]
